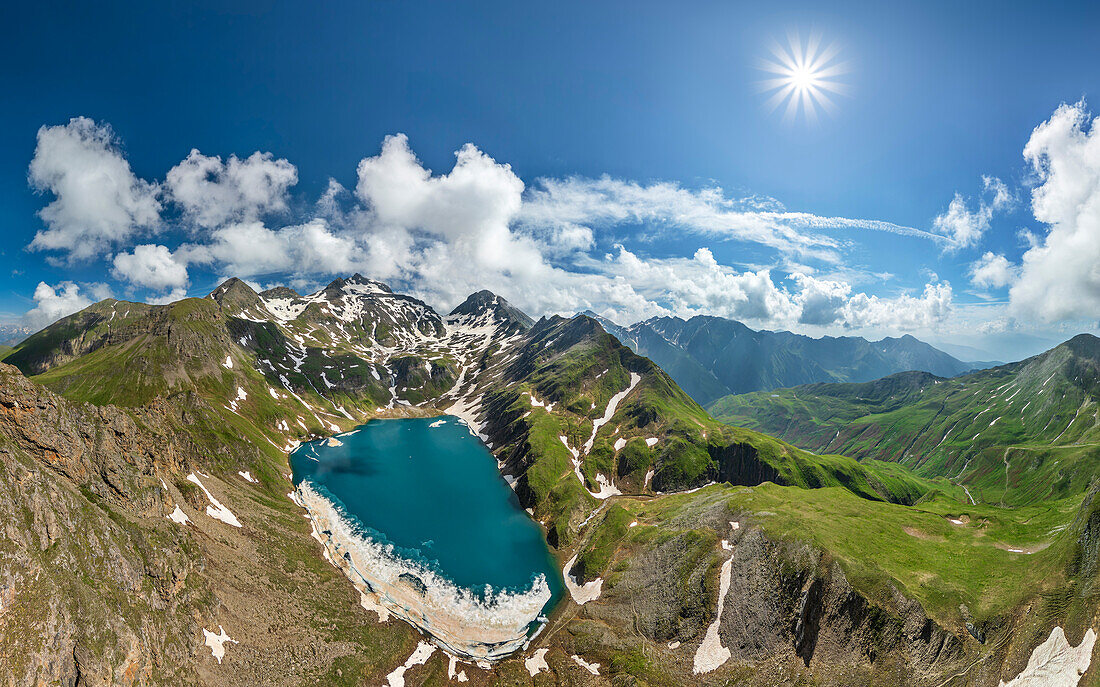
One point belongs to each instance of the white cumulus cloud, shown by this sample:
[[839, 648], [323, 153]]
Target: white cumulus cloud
[[98, 201], [150, 266], [992, 270], [475, 202], [905, 312], [250, 249], [440, 236], [821, 301], [51, 303], [1060, 275], [212, 192]]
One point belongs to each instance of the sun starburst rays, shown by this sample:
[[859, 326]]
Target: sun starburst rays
[[805, 78]]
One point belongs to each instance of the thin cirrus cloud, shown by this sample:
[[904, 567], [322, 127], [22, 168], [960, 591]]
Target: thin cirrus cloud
[[441, 236], [605, 201]]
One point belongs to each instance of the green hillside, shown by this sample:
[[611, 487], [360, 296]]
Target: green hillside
[[1016, 434]]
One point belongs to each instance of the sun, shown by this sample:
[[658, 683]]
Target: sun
[[806, 75]]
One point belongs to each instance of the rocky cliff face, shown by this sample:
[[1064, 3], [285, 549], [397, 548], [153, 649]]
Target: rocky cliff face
[[94, 589], [99, 587], [790, 612]]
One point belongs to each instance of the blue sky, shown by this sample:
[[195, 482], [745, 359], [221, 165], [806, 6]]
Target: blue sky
[[659, 98]]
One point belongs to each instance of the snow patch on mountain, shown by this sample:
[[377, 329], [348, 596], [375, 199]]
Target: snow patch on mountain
[[178, 516], [1055, 663], [216, 509], [217, 642], [711, 654], [609, 412], [581, 593]]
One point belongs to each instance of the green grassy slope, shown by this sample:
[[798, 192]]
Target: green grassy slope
[[992, 560], [1016, 434], [658, 441]]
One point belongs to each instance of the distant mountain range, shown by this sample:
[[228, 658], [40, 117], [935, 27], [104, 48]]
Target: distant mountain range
[[711, 357], [11, 334]]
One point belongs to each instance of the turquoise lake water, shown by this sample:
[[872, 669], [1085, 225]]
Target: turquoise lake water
[[436, 494]]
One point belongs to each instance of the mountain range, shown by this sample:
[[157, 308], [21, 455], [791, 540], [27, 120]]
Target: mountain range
[[1016, 434], [11, 334], [711, 357], [150, 521]]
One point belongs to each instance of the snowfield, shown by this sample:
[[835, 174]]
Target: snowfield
[[1055, 663], [711, 654]]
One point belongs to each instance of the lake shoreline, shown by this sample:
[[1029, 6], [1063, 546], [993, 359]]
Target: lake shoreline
[[472, 626]]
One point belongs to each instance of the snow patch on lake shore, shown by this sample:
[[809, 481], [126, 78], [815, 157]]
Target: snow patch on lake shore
[[537, 662], [369, 601], [420, 656], [489, 625], [452, 669]]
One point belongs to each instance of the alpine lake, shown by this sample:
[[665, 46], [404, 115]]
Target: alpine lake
[[417, 514]]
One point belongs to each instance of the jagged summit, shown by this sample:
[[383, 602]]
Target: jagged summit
[[486, 303], [578, 328], [358, 283], [609, 326], [280, 292]]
